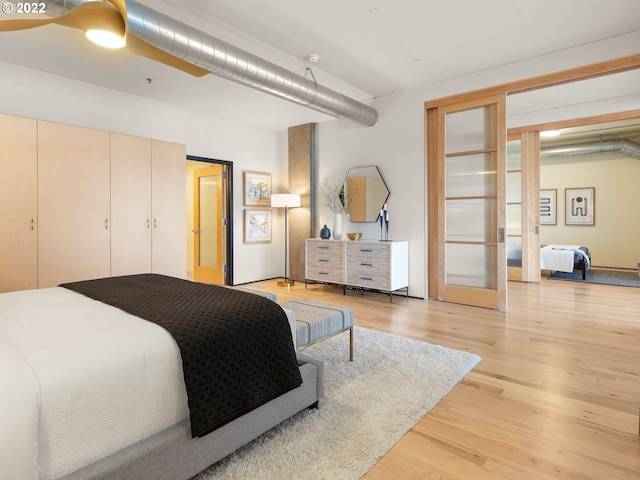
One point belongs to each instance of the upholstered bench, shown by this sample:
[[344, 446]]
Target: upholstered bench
[[317, 321]]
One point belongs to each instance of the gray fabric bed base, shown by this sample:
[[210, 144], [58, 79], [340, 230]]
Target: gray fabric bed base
[[174, 455]]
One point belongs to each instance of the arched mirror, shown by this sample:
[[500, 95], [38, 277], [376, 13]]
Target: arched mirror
[[363, 194]]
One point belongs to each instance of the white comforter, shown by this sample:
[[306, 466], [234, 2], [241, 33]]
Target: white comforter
[[558, 257], [79, 380]]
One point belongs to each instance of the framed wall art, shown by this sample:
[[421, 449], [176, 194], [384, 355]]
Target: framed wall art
[[580, 206], [257, 225], [548, 206], [257, 189]]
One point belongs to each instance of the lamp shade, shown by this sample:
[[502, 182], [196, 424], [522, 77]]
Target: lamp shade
[[282, 200]]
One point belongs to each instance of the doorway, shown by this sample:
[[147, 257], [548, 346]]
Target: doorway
[[600, 153], [624, 71], [209, 221]]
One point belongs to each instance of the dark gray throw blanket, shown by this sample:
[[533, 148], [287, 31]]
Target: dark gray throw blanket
[[236, 347]]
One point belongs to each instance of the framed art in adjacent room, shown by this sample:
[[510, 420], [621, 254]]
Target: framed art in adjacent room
[[257, 225], [580, 206], [548, 206], [257, 189]]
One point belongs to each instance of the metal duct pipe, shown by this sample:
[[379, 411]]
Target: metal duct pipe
[[628, 147], [233, 63]]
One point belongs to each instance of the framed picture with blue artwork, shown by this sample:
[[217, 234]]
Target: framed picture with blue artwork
[[257, 189], [257, 225], [580, 206]]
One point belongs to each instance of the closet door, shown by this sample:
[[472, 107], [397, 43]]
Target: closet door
[[130, 205], [18, 203], [169, 208], [73, 204]]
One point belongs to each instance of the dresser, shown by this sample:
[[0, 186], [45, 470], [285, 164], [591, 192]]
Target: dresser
[[371, 265]]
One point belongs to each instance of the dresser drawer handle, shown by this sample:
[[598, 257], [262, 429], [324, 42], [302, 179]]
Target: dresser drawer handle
[[366, 265], [365, 250], [323, 260], [323, 273], [366, 278], [323, 248]]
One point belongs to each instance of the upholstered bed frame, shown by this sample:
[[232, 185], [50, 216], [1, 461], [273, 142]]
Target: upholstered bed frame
[[174, 455], [91, 390], [555, 258]]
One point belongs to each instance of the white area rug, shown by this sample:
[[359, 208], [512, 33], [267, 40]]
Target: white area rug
[[370, 404]]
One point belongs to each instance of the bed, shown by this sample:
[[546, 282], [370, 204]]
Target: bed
[[565, 258], [90, 390]]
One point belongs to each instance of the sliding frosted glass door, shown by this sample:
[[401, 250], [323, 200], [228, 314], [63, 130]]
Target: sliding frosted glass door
[[471, 203]]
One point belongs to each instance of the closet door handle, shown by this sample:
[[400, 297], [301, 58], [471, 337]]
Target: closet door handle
[[155, 223], [148, 223], [32, 224], [106, 223]]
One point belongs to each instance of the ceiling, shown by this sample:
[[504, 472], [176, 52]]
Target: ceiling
[[367, 48]]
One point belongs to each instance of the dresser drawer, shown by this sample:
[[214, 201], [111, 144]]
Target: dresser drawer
[[325, 261], [368, 265], [327, 274], [324, 249]]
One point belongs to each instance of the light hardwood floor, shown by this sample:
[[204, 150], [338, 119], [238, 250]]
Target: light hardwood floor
[[555, 396]]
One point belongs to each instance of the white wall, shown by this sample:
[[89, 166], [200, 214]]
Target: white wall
[[33, 94], [395, 144]]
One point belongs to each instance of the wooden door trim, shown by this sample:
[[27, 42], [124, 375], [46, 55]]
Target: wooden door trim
[[585, 72]]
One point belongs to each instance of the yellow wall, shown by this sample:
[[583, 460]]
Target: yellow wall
[[614, 240]]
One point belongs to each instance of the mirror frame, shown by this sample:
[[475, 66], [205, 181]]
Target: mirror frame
[[373, 172]]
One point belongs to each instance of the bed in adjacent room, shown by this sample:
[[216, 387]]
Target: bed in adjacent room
[[565, 258], [142, 376]]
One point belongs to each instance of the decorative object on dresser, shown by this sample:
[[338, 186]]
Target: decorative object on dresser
[[337, 199], [366, 264], [384, 220], [354, 236], [286, 201], [337, 226], [325, 233]]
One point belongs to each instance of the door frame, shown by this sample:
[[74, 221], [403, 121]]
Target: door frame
[[228, 213]]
